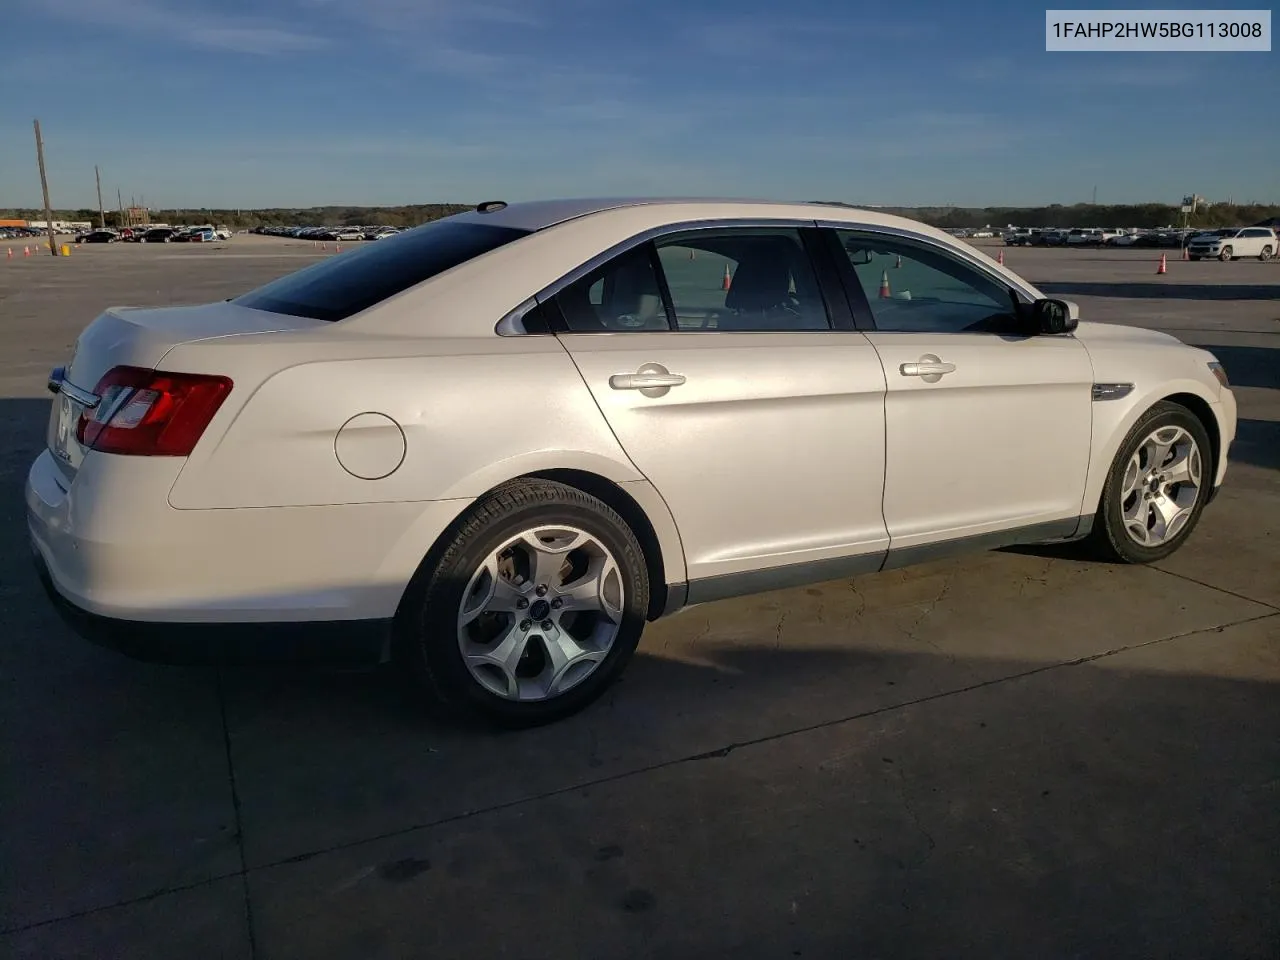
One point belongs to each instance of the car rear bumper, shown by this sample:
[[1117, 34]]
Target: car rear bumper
[[347, 642], [129, 570]]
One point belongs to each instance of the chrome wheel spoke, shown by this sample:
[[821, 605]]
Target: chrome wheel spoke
[[503, 658], [1160, 444], [1132, 478], [489, 592], [598, 590], [547, 552], [564, 654], [1170, 517], [1184, 467]]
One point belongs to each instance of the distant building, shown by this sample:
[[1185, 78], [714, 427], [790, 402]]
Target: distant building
[[59, 226]]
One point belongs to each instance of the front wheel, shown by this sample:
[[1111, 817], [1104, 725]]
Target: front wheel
[[1225, 255], [1195, 256], [533, 608], [1156, 489]]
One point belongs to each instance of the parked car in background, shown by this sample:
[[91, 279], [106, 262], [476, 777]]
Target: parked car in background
[[98, 236], [1234, 243], [159, 235], [340, 446]]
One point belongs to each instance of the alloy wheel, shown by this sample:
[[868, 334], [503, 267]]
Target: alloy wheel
[[1161, 486], [540, 613]]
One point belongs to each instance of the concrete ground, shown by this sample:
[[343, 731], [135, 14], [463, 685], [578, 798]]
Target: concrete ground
[[1014, 754]]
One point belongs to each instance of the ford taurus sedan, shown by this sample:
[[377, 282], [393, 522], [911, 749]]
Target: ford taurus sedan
[[491, 448]]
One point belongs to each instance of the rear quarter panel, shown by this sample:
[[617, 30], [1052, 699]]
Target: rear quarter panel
[[473, 413]]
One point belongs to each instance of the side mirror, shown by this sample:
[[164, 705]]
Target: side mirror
[[1054, 316], [858, 256]]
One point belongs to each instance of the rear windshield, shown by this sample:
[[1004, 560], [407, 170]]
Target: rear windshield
[[342, 286]]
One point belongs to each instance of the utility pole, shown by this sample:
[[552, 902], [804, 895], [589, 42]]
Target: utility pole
[[44, 186], [1095, 194], [120, 207], [102, 214]]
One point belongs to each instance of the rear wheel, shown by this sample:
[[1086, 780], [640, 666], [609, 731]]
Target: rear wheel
[[1156, 489], [1266, 254], [532, 610], [1225, 254]]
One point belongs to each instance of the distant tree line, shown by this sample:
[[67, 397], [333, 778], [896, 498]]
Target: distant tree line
[[403, 216], [1054, 215], [1093, 215]]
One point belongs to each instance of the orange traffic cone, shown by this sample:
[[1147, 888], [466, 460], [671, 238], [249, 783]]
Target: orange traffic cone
[[26, 251], [324, 246], [1000, 257], [1186, 253], [724, 285], [337, 248], [9, 253], [898, 265], [1164, 266], [885, 294]]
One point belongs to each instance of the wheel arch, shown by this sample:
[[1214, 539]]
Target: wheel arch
[[1204, 413], [637, 502], [1112, 425]]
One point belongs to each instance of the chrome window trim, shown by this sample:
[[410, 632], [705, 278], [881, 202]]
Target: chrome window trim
[[960, 253], [510, 326]]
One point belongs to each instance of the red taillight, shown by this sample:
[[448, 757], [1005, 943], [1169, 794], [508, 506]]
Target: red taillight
[[150, 413]]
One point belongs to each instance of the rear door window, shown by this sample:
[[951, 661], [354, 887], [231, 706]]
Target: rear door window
[[342, 286]]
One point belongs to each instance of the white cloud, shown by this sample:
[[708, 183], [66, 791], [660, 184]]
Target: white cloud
[[166, 21]]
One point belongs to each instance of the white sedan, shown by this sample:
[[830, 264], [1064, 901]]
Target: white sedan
[[491, 448]]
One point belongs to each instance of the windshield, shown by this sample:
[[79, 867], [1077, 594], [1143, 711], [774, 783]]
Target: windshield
[[342, 286]]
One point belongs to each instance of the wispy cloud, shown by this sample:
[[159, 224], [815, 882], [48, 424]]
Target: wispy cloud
[[174, 23], [787, 37]]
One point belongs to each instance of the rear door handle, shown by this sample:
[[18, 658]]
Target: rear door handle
[[651, 379], [928, 368], [644, 381]]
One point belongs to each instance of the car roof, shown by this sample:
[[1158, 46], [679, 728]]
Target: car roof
[[539, 214]]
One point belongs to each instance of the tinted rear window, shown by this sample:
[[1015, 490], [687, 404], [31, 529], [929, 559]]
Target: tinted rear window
[[342, 286]]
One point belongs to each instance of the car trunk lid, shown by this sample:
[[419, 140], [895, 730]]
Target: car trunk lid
[[140, 337]]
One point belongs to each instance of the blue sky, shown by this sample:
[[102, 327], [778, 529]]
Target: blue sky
[[243, 103]]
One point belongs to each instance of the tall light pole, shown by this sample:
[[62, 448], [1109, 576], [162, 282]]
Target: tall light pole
[[44, 186], [102, 213]]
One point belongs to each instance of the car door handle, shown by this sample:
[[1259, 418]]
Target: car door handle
[[644, 381], [928, 368], [652, 379]]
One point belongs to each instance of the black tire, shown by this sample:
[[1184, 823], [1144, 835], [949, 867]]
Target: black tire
[[1195, 256], [1266, 254], [1225, 255], [1108, 539], [426, 645]]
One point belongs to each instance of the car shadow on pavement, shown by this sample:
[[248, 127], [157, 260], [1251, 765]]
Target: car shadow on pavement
[[742, 799], [1162, 291]]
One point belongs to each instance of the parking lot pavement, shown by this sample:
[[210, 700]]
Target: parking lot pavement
[[1012, 754]]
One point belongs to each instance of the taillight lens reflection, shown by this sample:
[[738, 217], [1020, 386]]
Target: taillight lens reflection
[[151, 413]]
